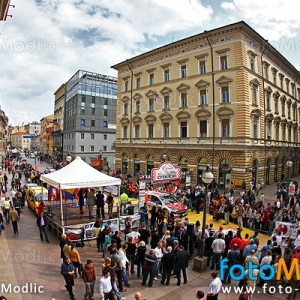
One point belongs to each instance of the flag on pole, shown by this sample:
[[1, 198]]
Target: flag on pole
[[156, 95]]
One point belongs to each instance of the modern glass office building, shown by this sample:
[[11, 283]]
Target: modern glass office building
[[90, 116]]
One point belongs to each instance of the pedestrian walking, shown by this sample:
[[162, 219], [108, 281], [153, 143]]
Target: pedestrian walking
[[67, 270], [6, 209], [62, 243], [13, 215], [89, 277], [1, 223], [75, 258], [105, 287], [214, 287], [200, 295], [17, 205], [41, 222]]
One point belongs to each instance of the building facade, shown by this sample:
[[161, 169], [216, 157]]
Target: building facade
[[46, 139], [224, 97], [21, 140], [90, 117], [3, 133], [58, 121]]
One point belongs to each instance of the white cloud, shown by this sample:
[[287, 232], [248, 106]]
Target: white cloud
[[228, 5], [273, 20], [46, 45]]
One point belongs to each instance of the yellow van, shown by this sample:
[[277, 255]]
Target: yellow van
[[34, 196]]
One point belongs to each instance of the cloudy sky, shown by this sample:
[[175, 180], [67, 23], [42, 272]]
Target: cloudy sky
[[47, 41]]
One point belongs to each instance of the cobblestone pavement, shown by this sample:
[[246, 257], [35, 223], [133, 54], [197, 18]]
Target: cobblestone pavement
[[25, 259]]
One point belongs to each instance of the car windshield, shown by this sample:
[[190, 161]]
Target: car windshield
[[169, 199], [40, 197]]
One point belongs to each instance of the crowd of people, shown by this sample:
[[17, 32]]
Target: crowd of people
[[167, 243]]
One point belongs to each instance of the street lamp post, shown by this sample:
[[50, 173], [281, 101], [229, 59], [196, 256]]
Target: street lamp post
[[100, 160], [35, 155], [69, 158], [200, 262], [164, 157], [289, 163]]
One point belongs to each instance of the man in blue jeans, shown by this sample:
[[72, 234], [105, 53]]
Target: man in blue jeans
[[42, 223], [218, 247]]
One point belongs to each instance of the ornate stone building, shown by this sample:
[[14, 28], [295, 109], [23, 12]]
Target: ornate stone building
[[224, 97]]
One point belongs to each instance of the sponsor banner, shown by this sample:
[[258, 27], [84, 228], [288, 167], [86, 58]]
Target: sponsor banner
[[87, 231], [187, 179], [287, 229], [135, 220], [292, 189], [135, 237], [112, 188], [166, 171]]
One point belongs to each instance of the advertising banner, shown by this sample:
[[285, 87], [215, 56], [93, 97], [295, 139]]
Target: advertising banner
[[86, 232], [292, 189], [166, 172], [287, 229]]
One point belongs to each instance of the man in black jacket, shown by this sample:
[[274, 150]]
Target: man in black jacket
[[182, 260], [100, 204], [68, 271], [145, 235], [155, 237], [42, 223], [170, 240], [167, 262], [233, 259]]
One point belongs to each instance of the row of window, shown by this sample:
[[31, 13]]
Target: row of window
[[93, 100], [92, 111], [92, 123], [183, 129], [84, 148], [183, 71], [183, 100], [92, 136], [284, 84], [224, 129]]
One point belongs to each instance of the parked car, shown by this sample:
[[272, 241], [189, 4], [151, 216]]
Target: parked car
[[27, 185], [166, 202], [34, 196]]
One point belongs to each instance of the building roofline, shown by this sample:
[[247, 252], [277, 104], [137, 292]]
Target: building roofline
[[62, 85], [208, 32]]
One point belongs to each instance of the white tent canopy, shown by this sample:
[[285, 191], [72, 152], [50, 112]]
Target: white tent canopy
[[79, 174]]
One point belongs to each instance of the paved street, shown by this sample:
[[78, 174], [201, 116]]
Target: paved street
[[26, 259]]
